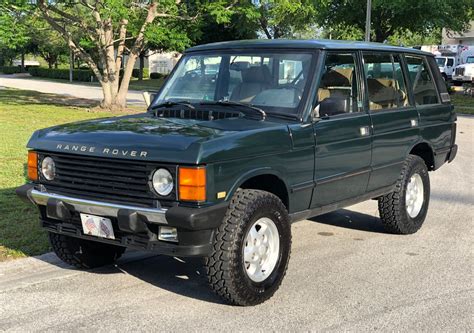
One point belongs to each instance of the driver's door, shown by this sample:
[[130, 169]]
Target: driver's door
[[343, 132]]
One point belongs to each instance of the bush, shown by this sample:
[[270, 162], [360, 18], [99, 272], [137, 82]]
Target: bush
[[83, 75], [136, 73], [156, 76], [10, 69]]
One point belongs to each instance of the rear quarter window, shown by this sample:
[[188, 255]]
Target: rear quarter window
[[423, 83]]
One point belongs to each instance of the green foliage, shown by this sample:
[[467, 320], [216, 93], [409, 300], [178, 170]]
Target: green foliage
[[235, 24], [391, 17], [408, 38], [48, 43], [283, 18], [136, 73], [10, 69], [83, 75], [156, 76]]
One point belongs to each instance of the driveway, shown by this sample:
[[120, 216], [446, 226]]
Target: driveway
[[345, 273], [70, 89]]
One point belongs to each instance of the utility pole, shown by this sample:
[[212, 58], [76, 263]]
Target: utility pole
[[367, 21], [71, 64]]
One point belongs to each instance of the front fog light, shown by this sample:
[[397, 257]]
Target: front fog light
[[48, 168], [168, 234], [163, 182]]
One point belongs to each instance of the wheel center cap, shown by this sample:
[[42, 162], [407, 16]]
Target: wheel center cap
[[262, 249]]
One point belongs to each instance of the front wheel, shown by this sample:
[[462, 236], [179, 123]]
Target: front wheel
[[404, 210], [251, 249]]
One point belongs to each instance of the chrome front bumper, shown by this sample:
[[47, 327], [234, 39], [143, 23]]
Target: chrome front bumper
[[152, 215]]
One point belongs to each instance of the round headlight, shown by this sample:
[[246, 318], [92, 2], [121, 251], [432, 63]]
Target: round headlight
[[163, 182], [48, 168]]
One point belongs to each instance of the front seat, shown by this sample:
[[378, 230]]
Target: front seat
[[254, 81]]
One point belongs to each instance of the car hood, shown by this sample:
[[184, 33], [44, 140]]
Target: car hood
[[146, 137]]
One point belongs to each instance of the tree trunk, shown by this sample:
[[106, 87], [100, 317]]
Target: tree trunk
[[127, 75], [22, 61], [142, 64]]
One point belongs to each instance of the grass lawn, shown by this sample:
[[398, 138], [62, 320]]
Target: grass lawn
[[21, 113], [135, 84], [463, 103]]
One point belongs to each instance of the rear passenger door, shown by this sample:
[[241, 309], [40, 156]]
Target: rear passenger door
[[394, 117], [343, 143]]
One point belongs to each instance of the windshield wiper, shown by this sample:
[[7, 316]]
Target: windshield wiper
[[232, 103], [168, 104]]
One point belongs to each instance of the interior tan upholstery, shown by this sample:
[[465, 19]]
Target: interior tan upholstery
[[336, 83], [254, 81], [384, 93]]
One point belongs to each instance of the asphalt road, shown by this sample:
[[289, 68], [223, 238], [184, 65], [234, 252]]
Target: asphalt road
[[69, 89], [345, 273]]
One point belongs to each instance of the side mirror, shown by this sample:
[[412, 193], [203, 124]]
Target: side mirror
[[148, 97]]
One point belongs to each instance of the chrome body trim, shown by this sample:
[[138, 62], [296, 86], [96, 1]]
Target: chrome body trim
[[153, 215]]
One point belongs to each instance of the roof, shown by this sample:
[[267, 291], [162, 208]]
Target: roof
[[301, 44]]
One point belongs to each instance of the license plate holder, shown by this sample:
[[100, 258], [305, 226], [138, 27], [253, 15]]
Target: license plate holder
[[97, 226]]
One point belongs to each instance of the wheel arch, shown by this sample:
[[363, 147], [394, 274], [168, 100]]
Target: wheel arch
[[264, 179], [424, 150]]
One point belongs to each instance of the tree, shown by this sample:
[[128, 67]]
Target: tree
[[14, 32], [47, 43], [239, 25], [390, 17], [101, 32], [282, 18]]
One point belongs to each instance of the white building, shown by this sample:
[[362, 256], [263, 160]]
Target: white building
[[466, 38], [162, 63]]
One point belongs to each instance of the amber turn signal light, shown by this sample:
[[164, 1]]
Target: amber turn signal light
[[32, 165], [192, 183]]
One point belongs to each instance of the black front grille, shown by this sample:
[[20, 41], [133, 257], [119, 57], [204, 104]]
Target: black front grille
[[109, 180], [196, 114], [459, 71]]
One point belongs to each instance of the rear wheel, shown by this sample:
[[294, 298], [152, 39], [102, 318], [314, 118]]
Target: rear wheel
[[404, 210], [251, 249], [83, 253]]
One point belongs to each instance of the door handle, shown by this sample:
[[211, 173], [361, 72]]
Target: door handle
[[414, 122], [364, 131]]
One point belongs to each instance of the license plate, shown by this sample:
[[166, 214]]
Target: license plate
[[97, 226]]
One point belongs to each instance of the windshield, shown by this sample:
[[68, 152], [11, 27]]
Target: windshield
[[274, 82], [470, 60], [441, 62]]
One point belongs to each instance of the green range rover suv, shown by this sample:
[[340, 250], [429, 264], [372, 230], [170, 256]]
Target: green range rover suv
[[242, 139]]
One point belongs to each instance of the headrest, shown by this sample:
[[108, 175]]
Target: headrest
[[260, 74], [378, 84], [337, 78], [239, 65], [383, 91]]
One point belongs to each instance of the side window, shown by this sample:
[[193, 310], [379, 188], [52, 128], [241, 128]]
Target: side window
[[385, 83], [450, 62], [338, 89], [422, 82]]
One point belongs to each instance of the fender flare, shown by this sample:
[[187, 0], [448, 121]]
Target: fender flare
[[253, 173]]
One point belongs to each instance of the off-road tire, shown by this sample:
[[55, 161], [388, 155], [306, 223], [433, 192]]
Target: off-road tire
[[82, 253], [225, 266], [392, 207]]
